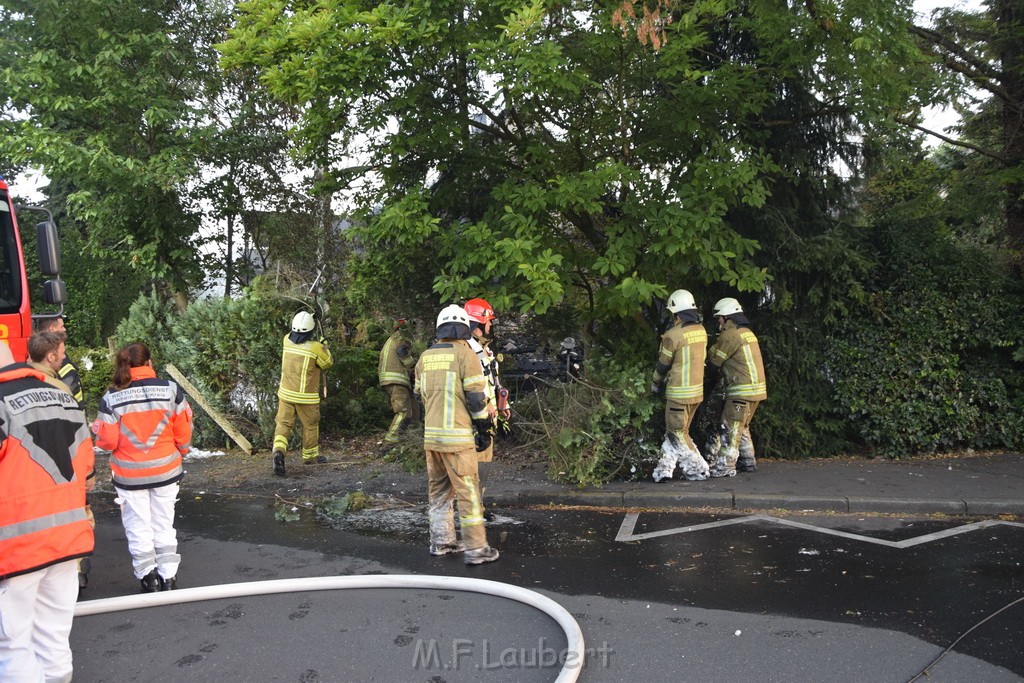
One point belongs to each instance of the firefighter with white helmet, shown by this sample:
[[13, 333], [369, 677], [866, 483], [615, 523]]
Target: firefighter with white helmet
[[456, 427], [302, 360], [680, 372], [737, 354]]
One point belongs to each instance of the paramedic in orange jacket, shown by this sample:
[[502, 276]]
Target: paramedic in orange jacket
[[45, 455], [146, 423]]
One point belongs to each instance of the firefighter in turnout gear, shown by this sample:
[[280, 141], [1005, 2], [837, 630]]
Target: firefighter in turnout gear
[[737, 355], [146, 424], [456, 428], [481, 320], [303, 358], [394, 373], [680, 372], [45, 457], [67, 371]]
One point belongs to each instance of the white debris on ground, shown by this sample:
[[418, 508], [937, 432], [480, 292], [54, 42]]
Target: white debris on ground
[[200, 454], [805, 551]]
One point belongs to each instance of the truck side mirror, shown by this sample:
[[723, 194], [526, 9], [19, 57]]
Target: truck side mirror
[[55, 292], [49, 250]]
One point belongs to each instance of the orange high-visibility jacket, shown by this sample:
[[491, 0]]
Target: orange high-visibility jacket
[[147, 427], [45, 455]]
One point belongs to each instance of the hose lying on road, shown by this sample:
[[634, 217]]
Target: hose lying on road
[[574, 636], [926, 671]]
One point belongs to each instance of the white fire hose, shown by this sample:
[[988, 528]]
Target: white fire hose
[[574, 652]]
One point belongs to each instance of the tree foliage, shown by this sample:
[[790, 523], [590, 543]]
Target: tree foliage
[[105, 97], [540, 151], [983, 52]]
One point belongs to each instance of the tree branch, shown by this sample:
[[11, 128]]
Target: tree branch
[[958, 143], [936, 38]]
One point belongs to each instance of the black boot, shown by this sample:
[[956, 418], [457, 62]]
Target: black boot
[[279, 464], [84, 565], [168, 584], [150, 582]]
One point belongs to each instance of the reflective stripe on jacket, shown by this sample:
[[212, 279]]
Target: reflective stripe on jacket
[[300, 371], [147, 427], [396, 361], [738, 354], [45, 457], [489, 366], [68, 373], [681, 360], [451, 383]]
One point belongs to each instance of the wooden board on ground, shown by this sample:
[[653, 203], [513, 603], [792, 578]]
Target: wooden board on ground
[[222, 421]]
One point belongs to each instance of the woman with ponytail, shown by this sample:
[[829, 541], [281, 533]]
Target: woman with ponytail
[[146, 424]]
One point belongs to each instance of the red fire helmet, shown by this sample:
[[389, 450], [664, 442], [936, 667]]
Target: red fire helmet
[[479, 310]]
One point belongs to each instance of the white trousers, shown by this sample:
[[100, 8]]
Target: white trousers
[[36, 610], [148, 518]]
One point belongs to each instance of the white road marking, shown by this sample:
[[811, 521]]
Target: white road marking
[[629, 524]]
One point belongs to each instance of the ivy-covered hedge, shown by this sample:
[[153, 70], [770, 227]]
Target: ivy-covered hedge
[[931, 370]]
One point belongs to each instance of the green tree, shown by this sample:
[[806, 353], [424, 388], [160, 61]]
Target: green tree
[[244, 169], [106, 98], [100, 291], [983, 51], [547, 156]]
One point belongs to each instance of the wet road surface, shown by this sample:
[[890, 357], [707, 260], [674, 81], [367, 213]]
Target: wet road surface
[[756, 600]]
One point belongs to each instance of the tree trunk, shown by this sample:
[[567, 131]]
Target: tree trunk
[[229, 270], [1010, 48]]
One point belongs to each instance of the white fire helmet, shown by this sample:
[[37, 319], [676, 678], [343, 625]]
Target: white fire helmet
[[727, 306], [302, 322], [680, 300], [452, 314]]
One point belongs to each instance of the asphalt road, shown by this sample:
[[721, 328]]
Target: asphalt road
[[757, 601]]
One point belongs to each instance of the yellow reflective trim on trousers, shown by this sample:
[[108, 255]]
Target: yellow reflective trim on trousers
[[280, 443], [296, 397], [396, 422], [475, 515], [746, 390], [694, 391]]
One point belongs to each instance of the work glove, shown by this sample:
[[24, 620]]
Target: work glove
[[482, 434], [655, 389]]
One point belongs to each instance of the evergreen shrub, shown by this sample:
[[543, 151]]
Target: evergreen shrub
[[231, 351]]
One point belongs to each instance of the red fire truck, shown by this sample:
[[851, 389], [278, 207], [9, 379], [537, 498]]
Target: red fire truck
[[15, 307]]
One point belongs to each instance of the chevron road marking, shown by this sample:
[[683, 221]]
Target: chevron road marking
[[629, 523]]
